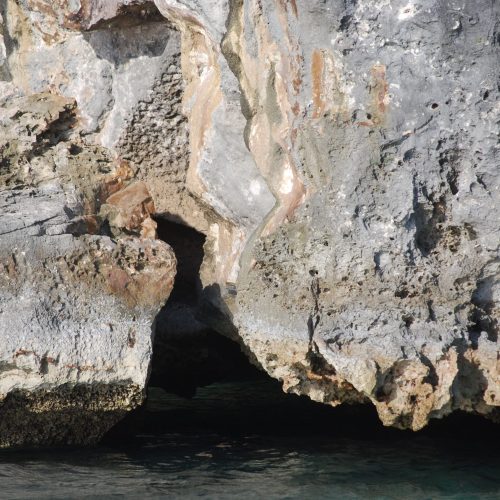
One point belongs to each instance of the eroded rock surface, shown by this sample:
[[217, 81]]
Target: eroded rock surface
[[339, 157], [76, 307], [375, 277]]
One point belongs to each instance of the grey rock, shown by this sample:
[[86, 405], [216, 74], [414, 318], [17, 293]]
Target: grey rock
[[340, 157], [375, 125], [75, 311]]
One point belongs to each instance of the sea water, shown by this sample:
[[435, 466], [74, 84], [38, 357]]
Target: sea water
[[247, 440]]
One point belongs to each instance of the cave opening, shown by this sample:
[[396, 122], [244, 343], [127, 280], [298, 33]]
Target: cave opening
[[187, 352]]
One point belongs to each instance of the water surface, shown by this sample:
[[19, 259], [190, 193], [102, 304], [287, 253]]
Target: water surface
[[248, 441]]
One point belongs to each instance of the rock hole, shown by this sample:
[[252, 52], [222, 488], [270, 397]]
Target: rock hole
[[432, 313], [452, 178], [187, 353], [187, 244], [345, 22], [408, 320], [428, 225], [408, 155]]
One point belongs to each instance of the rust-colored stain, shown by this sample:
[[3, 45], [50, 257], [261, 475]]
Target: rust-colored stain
[[116, 181], [293, 4], [317, 67], [123, 170], [379, 89], [134, 203], [296, 83], [283, 4], [48, 14], [23, 352], [107, 188], [82, 368], [77, 20], [135, 194], [315, 376], [297, 80], [118, 280]]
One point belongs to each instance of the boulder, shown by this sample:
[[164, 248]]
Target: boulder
[[76, 307]]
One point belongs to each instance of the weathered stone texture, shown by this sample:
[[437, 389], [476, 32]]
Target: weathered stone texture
[[76, 307], [375, 125], [340, 157]]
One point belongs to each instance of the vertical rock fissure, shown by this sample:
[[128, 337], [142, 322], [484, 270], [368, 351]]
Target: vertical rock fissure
[[187, 353]]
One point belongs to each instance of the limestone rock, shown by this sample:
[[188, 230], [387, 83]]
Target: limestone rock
[[76, 307], [374, 124], [340, 157]]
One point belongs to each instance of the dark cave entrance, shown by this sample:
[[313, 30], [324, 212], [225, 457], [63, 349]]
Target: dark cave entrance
[[187, 353], [228, 396], [187, 244]]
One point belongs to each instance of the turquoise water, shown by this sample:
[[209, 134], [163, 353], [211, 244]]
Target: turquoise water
[[249, 441]]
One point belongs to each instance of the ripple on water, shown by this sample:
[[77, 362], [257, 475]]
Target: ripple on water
[[209, 456]]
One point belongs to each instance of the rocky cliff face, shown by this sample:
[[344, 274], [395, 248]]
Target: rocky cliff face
[[76, 306], [374, 278], [341, 159]]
